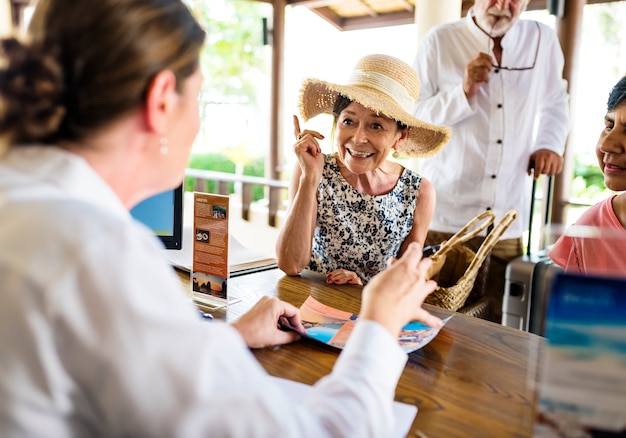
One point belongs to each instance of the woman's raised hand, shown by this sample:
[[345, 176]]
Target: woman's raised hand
[[308, 151]]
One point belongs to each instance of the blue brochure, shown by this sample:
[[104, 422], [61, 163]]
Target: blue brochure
[[582, 389]]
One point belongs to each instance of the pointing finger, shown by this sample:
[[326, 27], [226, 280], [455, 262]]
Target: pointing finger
[[296, 126]]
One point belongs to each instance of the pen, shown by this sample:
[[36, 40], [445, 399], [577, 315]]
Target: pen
[[284, 324], [205, 315]]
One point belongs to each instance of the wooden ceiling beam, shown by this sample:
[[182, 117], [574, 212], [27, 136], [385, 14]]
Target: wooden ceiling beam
[[370, 11], [408, 6], [406, 16]]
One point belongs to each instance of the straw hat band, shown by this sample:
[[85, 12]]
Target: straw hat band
[[384, 84]]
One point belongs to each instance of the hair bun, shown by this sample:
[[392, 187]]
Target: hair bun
[[31, 92]]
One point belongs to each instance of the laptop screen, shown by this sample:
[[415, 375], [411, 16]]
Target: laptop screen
[[163, 213]]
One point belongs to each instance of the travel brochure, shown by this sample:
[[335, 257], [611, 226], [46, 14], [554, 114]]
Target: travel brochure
[[582, 390], [209, 274], [333, 326]]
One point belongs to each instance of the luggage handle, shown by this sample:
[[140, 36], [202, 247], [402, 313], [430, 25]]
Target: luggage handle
[[533, 190]]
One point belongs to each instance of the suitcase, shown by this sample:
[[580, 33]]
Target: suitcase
[[528, 279]]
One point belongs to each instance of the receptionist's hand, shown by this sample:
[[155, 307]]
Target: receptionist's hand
[[395, 296], [265, 324]]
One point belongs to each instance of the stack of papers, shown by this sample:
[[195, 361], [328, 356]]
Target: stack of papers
[[405, 413], [240, 258]]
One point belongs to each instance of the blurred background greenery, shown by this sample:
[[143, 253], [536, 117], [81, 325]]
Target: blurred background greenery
[[220, 162]]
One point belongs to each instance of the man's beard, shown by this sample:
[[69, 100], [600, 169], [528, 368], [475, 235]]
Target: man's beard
[[496, 22]]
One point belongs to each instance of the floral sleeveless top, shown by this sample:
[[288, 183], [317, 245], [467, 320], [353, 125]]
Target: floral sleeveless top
[[357, 231]]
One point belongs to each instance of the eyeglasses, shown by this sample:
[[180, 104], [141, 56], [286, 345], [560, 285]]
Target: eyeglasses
[[500, 67]]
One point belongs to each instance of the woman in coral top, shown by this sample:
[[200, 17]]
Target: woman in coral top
[[592, 245]]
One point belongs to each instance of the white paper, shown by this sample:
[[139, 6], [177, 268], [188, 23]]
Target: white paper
[[405, 413], [237, 253]]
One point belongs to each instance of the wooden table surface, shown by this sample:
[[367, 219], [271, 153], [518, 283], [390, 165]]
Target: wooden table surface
[[475, 379]]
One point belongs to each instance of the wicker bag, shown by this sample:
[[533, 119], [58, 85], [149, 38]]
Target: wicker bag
[[455, 266]]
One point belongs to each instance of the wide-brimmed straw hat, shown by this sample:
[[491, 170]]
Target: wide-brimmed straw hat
[[383, 84]]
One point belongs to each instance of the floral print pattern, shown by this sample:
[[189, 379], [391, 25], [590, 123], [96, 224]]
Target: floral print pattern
[[357, 231]]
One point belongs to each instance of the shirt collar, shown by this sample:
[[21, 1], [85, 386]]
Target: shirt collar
[[65, 172], [476, 31]]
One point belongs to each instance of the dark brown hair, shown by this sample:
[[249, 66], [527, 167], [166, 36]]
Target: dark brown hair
[[342, 103], [90, 62], [617, 95]]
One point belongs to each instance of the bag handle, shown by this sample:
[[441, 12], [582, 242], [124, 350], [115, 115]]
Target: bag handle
[[491, 240], [469, 231]]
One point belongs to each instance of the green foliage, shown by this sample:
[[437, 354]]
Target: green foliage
[[221, 163], [210, 161], [588, 181], [590, 173], [231, 60], [610, 25]]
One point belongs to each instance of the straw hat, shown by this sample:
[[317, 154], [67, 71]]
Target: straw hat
[[383, 84]]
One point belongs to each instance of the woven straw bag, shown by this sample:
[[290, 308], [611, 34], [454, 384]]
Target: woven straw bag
[[455, 266]]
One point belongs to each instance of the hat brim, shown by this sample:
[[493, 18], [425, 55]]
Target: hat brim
[[424, 139]]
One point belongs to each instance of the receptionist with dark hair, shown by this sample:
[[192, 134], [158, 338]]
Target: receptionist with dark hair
[[98, 111]]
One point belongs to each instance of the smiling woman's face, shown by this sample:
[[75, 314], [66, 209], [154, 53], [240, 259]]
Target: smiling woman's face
[[611, 149], [364, 138]]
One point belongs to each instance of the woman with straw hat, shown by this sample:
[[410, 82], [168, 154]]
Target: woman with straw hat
[[353, 210]]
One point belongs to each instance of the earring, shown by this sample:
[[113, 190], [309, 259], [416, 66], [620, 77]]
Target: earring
[[164, 149], [396, 154]]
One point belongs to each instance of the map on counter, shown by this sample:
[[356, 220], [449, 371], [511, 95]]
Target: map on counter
[[333, 326]]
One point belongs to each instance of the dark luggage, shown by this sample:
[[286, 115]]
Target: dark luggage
[[529, 278]]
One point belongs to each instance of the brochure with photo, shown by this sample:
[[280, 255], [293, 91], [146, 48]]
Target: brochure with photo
[[333, 326], [209, 274]]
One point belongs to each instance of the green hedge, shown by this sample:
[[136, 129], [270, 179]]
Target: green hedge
[[219, 163]]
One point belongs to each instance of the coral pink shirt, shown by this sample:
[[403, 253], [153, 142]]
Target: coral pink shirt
[[598, 250]]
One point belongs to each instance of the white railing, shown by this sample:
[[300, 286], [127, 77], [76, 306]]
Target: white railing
[[274, 189]]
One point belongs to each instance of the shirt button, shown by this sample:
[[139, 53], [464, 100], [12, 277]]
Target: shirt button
[[493, 177], [488, 208], [499, 141], [499, 105], [497, 70]]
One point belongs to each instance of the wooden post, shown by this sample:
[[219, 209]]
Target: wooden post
[[569, 29], [6, 23], [430, 13], [246, 200], [278, 44], [274, 167]]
